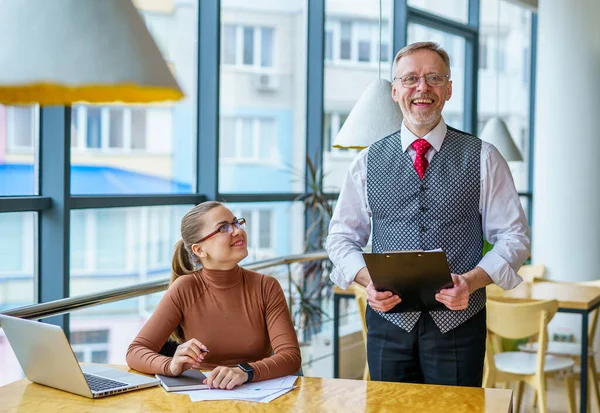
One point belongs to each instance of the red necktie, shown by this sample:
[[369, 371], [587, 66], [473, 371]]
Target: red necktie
[[421, 146]]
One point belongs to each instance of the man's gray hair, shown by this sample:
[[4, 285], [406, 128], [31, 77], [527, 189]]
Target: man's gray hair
[[433, 46]]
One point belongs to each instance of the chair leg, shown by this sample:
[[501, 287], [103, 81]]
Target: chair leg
[[488, 379], [366, 373], [519, 395], [570, 385], [542, 397], [533, 400], [593, 380]]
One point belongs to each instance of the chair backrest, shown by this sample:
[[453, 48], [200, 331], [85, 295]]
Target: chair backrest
[[515, 320], [562, 291], [594, 319], [169, 348], [530, 275], [360, 294], [570, 291]]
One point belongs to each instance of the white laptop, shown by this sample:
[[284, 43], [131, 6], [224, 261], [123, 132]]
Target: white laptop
[[47, 358]]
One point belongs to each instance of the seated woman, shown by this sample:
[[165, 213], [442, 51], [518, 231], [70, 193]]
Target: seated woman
[[227, 319]]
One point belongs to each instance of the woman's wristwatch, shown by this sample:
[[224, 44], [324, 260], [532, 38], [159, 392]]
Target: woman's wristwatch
[[248, 369]]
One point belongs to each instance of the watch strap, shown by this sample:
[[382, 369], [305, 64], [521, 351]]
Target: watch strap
[[248, 369]]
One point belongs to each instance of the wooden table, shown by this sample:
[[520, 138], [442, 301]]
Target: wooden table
[[577, 299], [312, 395]]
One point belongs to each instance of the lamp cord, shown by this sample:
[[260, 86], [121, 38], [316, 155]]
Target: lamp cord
[[498, 60], [379, 48]]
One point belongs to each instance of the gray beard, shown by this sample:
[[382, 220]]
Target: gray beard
[[422, 122]]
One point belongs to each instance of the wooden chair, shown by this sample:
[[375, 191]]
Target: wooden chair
[[520, 320], [360, 293], [529, 273], [563, 291]]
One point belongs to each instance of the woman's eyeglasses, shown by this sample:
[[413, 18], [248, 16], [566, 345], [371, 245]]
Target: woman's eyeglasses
[[227, 228]]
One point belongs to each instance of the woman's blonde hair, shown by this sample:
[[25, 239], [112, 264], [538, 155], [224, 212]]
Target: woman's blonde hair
[[184, 260]]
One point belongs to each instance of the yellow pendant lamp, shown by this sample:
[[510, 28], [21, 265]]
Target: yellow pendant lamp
[[59, 52]]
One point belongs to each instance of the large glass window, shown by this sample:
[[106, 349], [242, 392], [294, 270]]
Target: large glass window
[[450, 9], [11, 370], [262, 96], [355, 41], [18, 143], [504, 84], [17, 258], [115, 247], [455, 46], [267, 237], [102, 334], [351, 64], [250, 46], [17, 282], [127, 149], [251, 139]]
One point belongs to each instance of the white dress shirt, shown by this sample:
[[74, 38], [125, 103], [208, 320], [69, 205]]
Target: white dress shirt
[[504, 222]]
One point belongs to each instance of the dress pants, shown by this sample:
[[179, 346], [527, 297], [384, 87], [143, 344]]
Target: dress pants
[[425, 355]]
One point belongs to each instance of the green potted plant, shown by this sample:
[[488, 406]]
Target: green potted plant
[[313, 283]]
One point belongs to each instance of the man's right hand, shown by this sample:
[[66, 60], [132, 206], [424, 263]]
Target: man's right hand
[[381, 300], [188, 355]]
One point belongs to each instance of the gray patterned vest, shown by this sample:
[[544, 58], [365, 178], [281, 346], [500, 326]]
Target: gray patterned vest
[[440, 211]]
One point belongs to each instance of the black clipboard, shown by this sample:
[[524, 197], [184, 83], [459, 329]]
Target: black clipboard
[[416, 276]]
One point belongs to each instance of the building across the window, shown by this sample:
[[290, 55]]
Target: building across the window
[[90, 346], [249, 139], [121, 128], [260, 229], [332, 123], [355, 41], [21, 127], [248, 46]]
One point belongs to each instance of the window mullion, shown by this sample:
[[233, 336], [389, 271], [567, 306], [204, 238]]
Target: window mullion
[[257, 48], [105, 128], [127, 129], [239, 43], [256, 138]]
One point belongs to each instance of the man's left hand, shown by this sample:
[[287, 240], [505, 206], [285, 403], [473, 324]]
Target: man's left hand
[[457, 297]]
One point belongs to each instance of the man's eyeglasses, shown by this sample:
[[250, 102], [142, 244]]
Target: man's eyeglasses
[[432, 79], [227, 228]]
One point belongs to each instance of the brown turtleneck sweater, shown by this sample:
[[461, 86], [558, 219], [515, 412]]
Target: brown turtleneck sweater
[[241, 316]]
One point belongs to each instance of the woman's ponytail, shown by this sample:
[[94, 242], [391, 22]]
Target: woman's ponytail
[[181, 263]]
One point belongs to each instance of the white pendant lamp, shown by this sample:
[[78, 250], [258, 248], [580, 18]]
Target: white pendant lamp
[[374, 116], [495, 130], [496, 133], [58, 52]]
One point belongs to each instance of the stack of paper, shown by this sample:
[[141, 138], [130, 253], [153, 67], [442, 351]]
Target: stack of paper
[[262, 391]]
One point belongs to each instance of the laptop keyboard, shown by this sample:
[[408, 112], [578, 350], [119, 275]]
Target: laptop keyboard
[[100, 383]]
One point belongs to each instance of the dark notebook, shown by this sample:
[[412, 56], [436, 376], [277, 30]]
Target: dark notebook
[[416, 276], [188, 380]]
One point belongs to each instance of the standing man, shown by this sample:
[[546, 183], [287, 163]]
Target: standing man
[[424, 187]]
